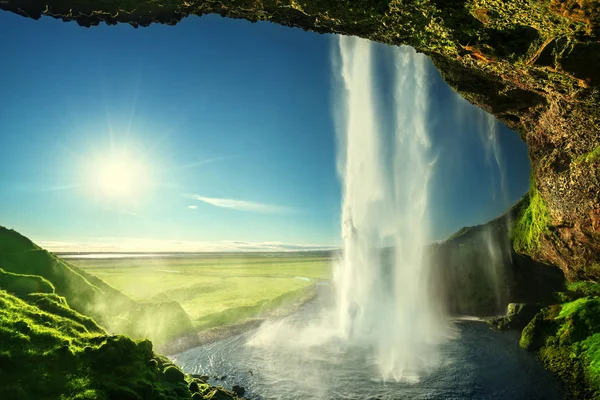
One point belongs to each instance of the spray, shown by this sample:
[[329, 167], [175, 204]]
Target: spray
[[382, 293]]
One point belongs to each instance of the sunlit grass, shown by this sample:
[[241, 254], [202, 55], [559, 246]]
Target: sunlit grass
[[237, 286], [52, 352]]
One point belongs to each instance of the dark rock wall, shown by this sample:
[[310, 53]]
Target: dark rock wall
[[477, 272], [533, 64]]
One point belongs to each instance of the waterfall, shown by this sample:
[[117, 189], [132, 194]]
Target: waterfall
[[383, 299], [488, 255]]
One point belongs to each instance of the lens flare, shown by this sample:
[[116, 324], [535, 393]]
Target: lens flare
[[118, 175]]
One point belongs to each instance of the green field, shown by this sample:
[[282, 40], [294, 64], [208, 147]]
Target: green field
[[214, 289]]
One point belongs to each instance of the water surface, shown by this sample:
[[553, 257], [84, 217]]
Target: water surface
[[478, 363]]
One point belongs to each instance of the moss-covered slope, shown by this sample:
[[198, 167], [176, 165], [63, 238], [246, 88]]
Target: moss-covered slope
[[49, 351], [163, 323], [534, 64]]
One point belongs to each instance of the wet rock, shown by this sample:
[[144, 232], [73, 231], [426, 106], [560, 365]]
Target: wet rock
[[173, 374], [194, 388], [203, 378], [238, 390], [220, 394], [518, 315]]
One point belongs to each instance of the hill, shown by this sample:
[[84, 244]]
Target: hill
[[163, 323], [50, 351]]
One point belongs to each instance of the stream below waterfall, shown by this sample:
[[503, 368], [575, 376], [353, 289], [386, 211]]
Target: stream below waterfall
[[477, 363]]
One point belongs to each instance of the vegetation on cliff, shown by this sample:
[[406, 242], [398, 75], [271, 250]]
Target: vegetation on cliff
[[161, 322], [50, 351], [53, 352], [532, 222], [592, 156]]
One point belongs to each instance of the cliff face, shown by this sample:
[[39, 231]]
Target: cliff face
[[477, 271], [534, 64]]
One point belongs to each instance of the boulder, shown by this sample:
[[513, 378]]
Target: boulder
[[238, 390]]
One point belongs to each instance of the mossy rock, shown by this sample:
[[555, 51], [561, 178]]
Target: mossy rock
[[537, 331], [194, 388], [123, 393], [220, 394], [567, 337], [518, 315], [173, 374]]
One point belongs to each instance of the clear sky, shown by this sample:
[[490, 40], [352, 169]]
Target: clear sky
[[226, 128]]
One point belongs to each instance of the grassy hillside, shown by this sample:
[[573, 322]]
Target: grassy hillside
[[49, 351], [215, 289], [91, 296]]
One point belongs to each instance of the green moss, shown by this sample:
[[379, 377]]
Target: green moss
[[219, 394], [57, 305], [50, 356], [568, 340], [173, 374], [531, 223], [23, 284], [592, 156], [39, 271], [584, 288]]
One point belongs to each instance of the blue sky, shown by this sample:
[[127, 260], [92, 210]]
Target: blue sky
[[232, 123]]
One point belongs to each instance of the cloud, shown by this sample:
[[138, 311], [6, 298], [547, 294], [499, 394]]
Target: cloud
[[242, 205], [206, 161], [192, 207], [141, 245]]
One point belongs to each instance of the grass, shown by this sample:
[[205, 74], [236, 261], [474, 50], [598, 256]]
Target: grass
[[49, 356], [162, 322], [214, 289], [531, 223], [86, 295], [50, 351], [163, 299]]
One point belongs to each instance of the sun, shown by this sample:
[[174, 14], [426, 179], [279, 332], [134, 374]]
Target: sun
[[119, 174]]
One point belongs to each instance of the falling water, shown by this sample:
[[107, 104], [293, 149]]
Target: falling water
[[495, 250], [381, 282], [497, 247]]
